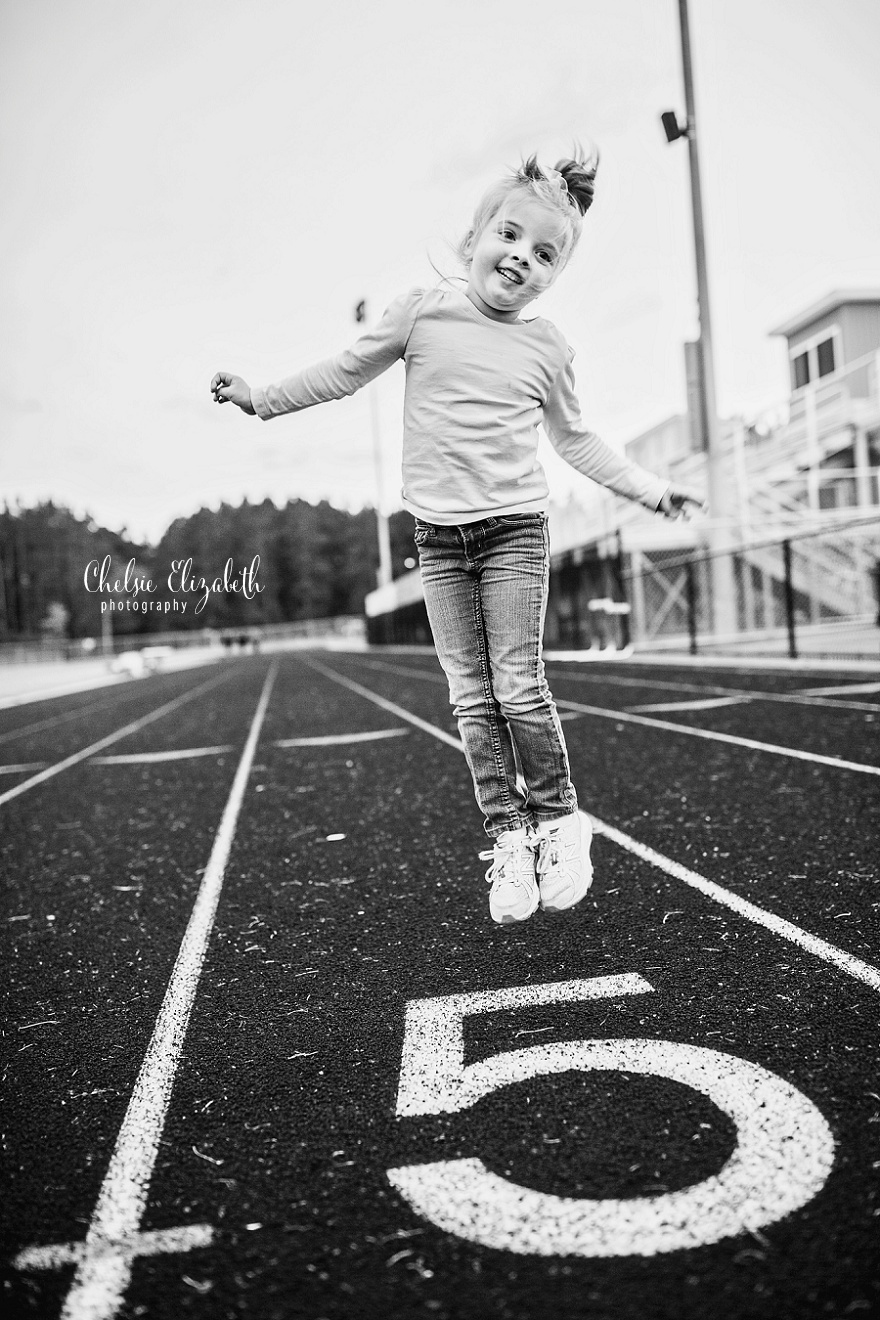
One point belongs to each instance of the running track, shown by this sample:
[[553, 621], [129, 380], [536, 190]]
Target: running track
[[267, 1056]]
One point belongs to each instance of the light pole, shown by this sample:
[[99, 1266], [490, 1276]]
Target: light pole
[[723, 597], [384, 575]]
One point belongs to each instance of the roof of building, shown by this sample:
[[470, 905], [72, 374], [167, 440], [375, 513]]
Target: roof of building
[[829, 303]]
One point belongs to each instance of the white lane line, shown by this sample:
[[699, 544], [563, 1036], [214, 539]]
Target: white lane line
[[728, 699], [110, 738], [842, 690], [650, 681], [61, 690], [104, 1270], [800, 697], [384, 703], [179, 754], [130, 758], [806, 699], [624, 717], [430, 674], [786, 929], [829, 953], [156, 1243], [332, 739], [52, 721], [708, 703]]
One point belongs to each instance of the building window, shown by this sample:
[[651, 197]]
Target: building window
[[815, 359], [825, 356]]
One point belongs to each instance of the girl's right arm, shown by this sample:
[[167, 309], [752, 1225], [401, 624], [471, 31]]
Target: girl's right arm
[[335, 377]]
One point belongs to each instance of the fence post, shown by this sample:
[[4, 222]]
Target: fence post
[[789, 600], [625, 634], [691, 589]]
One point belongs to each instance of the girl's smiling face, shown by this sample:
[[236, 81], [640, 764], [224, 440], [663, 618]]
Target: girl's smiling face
[[515, 257]]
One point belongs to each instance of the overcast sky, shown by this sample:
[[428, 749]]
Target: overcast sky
[[200, 184]]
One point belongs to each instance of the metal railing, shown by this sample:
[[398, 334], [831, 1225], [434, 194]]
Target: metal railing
[[814, 593]]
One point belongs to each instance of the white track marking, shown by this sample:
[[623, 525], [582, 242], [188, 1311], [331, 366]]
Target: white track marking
[[180, 754], [780, 698], [801, 697], [845, 962], [155, 1243], [104, 1269], [629, 718], [624, 717], [820, 948], [433, 1078], [783, 1154], [21, 769], [385, 704], [52, 721], [842, 690], [110, 738], [62, 690], [707, 703], [431, 675], [331, 739]]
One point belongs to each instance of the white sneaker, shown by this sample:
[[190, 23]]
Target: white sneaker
[[564, 869], [514, 893]]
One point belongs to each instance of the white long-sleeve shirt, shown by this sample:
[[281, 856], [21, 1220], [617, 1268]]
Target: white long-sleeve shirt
[[476, 391]]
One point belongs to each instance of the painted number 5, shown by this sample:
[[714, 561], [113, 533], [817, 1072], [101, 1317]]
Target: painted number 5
[[783, 1154]]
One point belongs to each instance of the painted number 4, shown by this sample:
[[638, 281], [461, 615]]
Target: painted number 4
[[783, 1154]]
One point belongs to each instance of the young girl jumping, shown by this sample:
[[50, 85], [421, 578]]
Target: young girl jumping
[[478, 381]]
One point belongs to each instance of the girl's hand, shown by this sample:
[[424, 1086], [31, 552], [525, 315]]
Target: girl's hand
[[677, 499], [227, 388]]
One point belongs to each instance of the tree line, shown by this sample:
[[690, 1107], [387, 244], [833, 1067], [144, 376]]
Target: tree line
[[315, 561]]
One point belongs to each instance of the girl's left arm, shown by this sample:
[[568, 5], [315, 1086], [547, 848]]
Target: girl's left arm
[[678, 499], [589, 454]]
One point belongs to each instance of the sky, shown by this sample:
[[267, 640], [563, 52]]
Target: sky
[[195, 185]]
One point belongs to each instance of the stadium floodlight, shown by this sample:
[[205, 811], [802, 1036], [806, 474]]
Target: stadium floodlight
[[671, 126]]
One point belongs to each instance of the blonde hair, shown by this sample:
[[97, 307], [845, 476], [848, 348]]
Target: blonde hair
[[567, 189]]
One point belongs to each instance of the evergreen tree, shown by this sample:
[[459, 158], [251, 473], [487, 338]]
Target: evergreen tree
[[315, 561]]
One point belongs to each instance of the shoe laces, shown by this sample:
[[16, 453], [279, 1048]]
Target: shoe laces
[[508, 863], [551, 852]]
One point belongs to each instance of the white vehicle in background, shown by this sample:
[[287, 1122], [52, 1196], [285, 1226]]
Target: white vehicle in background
[[137, 664]]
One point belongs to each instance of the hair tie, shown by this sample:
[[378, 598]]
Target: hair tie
[[560, 183]]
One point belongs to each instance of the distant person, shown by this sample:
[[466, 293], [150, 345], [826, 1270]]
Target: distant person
[[478, 381]]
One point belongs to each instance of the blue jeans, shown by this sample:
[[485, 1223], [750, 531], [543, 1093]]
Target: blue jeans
[[486, 593]]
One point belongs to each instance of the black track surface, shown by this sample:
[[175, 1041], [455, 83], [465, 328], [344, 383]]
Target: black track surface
[[282, 1125]]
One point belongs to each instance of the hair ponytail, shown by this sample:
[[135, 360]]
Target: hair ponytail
[[579, 174]]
